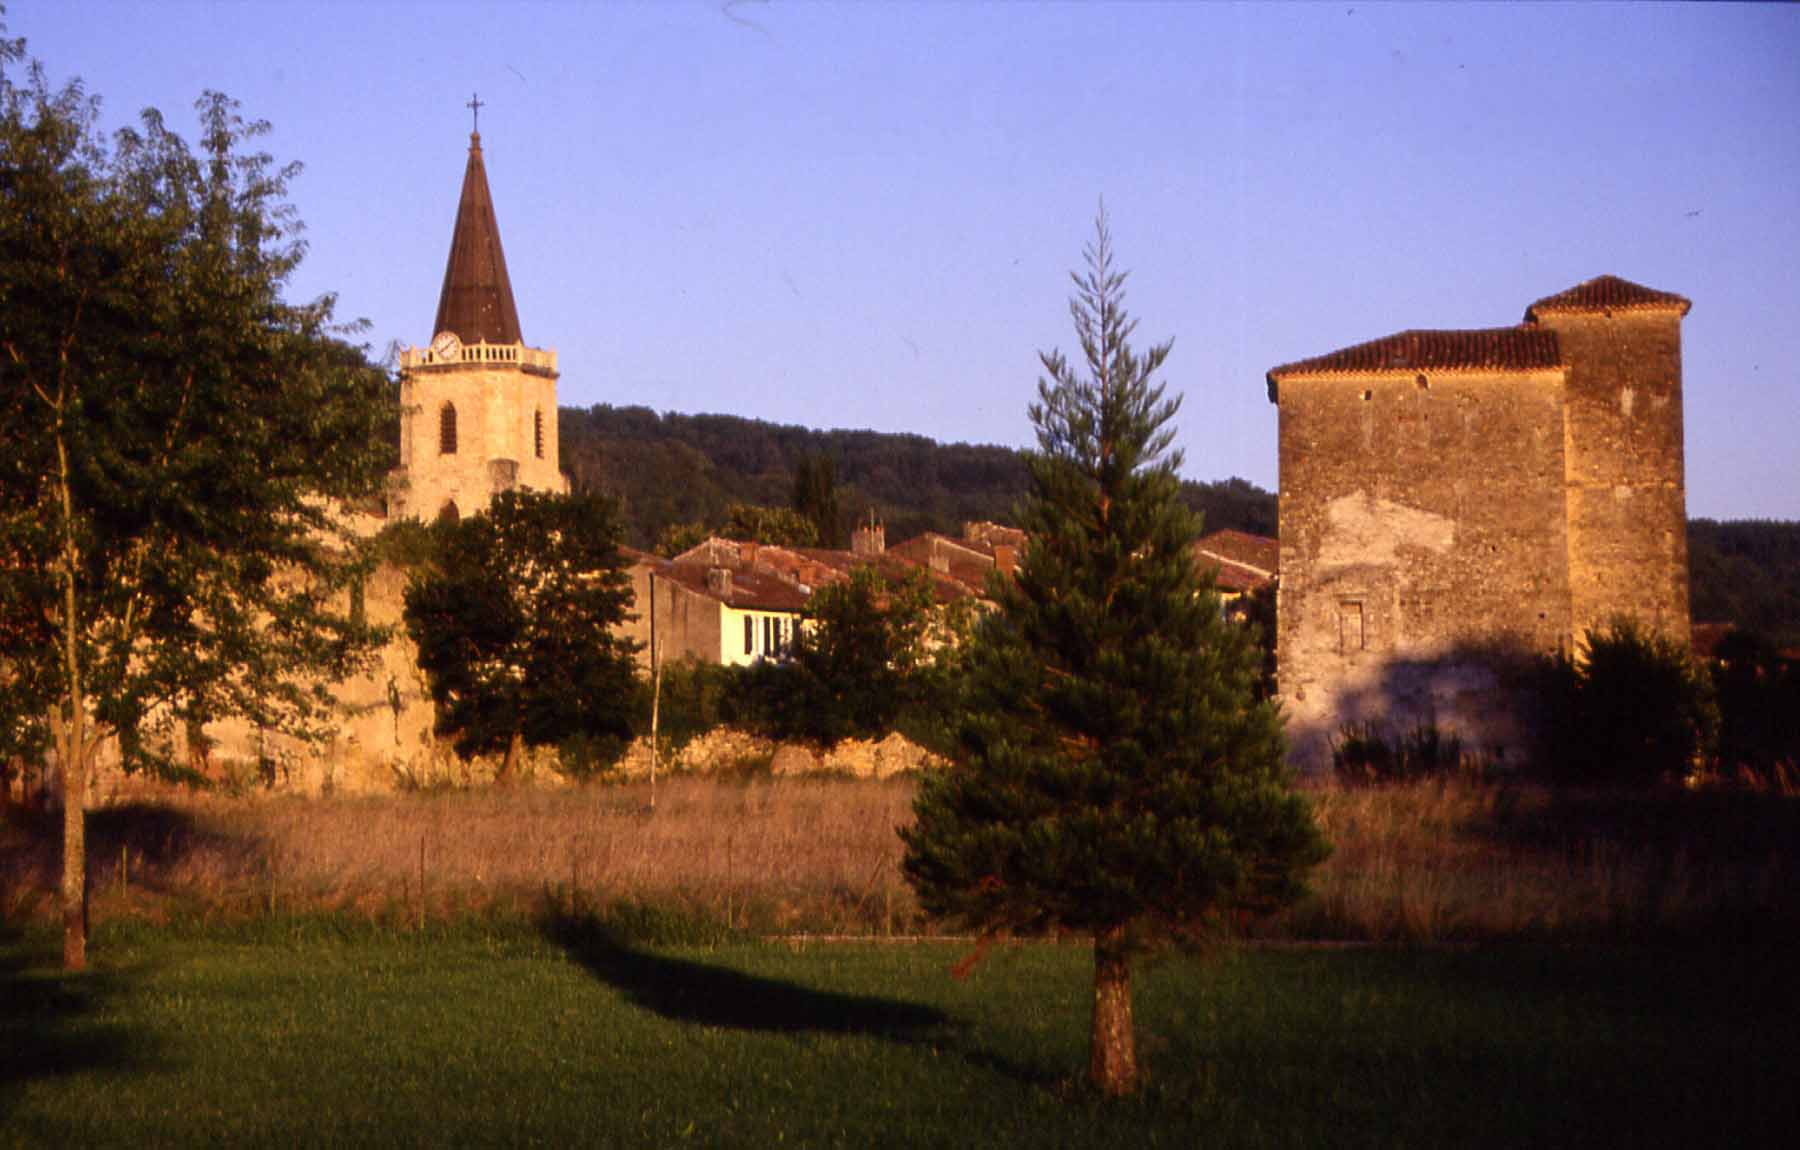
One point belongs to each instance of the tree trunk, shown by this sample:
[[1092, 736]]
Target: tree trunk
[[74, 871], [1112, 1061], [73, 749], [510, 763]]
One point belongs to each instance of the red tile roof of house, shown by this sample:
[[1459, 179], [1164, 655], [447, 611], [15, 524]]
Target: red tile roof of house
[[1255, 551], [1482, 349], [750, 590], [1238, 560], [1608, 294]]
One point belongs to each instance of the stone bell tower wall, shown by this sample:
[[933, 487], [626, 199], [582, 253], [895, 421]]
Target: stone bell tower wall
[[505, 431]]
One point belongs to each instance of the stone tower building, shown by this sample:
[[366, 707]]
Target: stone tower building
[[477, 406], [1452, 500]]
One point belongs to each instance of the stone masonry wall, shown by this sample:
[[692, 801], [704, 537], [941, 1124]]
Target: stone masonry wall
[[1422, 529], [1627, 502]]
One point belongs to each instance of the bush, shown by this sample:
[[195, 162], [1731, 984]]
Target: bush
[[696, 697], [1758, 693], [1633, 709], [1364, 754]]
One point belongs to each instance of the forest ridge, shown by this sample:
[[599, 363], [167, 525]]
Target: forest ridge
[[672, 468]]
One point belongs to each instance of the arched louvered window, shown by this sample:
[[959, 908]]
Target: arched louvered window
[[447, 429], [537, 430]]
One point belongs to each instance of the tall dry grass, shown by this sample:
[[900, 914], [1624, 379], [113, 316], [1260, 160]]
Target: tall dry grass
[[1432, 861], [1456, 859], [773, 855]]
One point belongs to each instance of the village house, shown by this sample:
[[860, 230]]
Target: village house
[[1240, 563], [1452, 501], [736, 602]]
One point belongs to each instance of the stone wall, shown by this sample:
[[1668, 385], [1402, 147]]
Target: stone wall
[[1422, 530], [1627, 504]]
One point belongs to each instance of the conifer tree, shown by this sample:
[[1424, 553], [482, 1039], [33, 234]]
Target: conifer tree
[[1116, 776]]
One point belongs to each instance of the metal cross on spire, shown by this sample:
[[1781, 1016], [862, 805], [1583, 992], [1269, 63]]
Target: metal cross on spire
[[475, 105]]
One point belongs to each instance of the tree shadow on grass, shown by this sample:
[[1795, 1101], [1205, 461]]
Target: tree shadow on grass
[[150, 839], [683, 990], [50, 1022]]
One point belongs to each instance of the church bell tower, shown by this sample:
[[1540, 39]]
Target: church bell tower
[[477, 406]]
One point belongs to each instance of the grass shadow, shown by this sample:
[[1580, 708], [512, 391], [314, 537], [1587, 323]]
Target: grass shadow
[[1707, 865], [149, 838], [53, 1024], [683, 990]]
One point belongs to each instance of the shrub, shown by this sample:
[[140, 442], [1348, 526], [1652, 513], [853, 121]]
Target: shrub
[[1758, 693], [1364, 754], [696, 697], [1632, 709]]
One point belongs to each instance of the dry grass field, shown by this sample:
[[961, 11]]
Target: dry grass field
[[1436, 861]]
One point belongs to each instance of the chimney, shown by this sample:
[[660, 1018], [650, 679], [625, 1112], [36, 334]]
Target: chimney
[[869, 540], [718, 582]]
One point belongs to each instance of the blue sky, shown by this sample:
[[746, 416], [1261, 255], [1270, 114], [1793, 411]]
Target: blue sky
[[863, 215]]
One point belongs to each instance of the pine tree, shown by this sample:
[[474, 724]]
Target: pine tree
[[1116, 776], [815, 497]]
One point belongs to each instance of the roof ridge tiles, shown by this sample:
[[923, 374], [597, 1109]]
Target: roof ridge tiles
[[1522, 347], [1604, 294]]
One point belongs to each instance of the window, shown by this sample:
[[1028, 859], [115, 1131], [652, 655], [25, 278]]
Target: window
[[1350, 626], [537, 430], [749, 635], [447, 429]]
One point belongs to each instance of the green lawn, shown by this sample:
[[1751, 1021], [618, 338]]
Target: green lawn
[[319, 1034]]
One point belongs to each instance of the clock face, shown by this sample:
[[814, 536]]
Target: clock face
[[445, 345]]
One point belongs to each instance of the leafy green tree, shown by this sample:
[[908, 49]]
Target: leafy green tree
[[679, 537], [1116, 776], [515, 621], [815, 498], [177, 437], [779, 526], [854, 669]]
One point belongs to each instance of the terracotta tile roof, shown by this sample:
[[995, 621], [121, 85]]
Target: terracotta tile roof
[[1234, 578], [1256, 552], [945, 588], [1238, 560], [965, 561], [1607, 294], [1483, 349], [750, 590]]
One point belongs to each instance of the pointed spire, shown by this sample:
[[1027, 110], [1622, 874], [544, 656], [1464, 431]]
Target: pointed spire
[[477, 300]]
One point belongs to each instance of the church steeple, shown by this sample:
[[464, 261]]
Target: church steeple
[[477, 407], [477, 300]]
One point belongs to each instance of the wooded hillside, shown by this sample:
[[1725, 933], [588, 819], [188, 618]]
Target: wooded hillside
[[1747, 572], [669, 469]]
